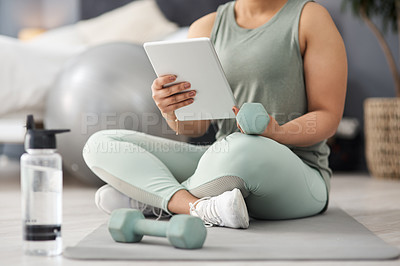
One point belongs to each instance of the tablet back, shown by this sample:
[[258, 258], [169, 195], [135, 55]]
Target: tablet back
[[195, 61]]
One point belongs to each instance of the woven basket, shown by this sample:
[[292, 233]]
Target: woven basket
[[382, 136]]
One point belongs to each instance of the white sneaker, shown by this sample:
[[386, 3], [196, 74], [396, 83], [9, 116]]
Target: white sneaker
[[108, 199], [227, 209]]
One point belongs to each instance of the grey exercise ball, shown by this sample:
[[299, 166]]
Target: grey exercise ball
[[106, 87]]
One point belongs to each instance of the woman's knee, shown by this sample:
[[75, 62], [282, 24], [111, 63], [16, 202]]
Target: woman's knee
[[91, 148], [256, 155], [102, 143], [96, 140]]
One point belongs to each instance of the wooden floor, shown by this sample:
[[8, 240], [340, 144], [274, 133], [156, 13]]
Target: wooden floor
[[373, 202]]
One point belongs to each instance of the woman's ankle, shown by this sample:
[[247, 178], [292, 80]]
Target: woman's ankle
[[179, 202]]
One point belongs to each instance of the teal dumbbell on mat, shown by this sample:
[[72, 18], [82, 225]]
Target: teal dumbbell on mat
[[182, 231], [253, 119]]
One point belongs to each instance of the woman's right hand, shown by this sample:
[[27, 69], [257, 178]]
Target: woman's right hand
[[170, 98]]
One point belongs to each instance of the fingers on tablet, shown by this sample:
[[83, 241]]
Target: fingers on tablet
[[160, 82], [170, 98], [180, 97], [175, 106], [176, 89], [184, 103]]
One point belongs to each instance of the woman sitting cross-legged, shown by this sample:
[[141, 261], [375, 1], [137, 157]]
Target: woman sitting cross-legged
[[285, 54]]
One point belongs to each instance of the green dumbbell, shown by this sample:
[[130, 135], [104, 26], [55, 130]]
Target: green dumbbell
[[182, 231], [253, 118]]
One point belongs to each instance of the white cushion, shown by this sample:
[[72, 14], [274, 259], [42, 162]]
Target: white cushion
[[137, 22]]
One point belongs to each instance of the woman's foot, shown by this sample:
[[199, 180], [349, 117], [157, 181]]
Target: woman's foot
[[108, 199], [228, 209]]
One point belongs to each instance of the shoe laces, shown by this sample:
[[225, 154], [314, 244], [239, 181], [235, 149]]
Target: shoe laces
[[161, 214], [143, 207], [208, 211]]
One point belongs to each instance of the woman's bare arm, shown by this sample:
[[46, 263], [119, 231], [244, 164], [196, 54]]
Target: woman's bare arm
[[325, 71]]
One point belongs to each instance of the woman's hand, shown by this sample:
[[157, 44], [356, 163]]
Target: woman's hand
[[170, 98], [272, 130], [236, 109]]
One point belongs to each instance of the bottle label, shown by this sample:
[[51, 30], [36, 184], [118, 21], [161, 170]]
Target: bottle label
[[42, 232]]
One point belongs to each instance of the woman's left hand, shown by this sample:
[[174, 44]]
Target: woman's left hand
[[272, 130]]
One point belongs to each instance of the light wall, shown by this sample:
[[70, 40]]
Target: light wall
[[16, 14], [369, 74]]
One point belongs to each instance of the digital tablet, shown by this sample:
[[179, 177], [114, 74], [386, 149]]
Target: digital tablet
[[195, 61]]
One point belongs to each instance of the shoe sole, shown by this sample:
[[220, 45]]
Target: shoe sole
[[97, 199], [146, 213], [240, 205]]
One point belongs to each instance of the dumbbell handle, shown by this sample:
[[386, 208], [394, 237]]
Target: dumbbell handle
[[150, 228]]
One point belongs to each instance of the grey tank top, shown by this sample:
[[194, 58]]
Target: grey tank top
[[265, 65]]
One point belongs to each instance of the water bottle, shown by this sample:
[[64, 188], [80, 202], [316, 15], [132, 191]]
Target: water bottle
[[41, 187]]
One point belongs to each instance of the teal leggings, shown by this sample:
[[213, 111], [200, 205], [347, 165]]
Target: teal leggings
[[275, 182]]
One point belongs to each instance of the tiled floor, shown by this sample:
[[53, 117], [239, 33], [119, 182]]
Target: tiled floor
[[373, 202]]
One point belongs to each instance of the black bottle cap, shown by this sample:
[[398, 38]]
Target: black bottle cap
[[40, 138]]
